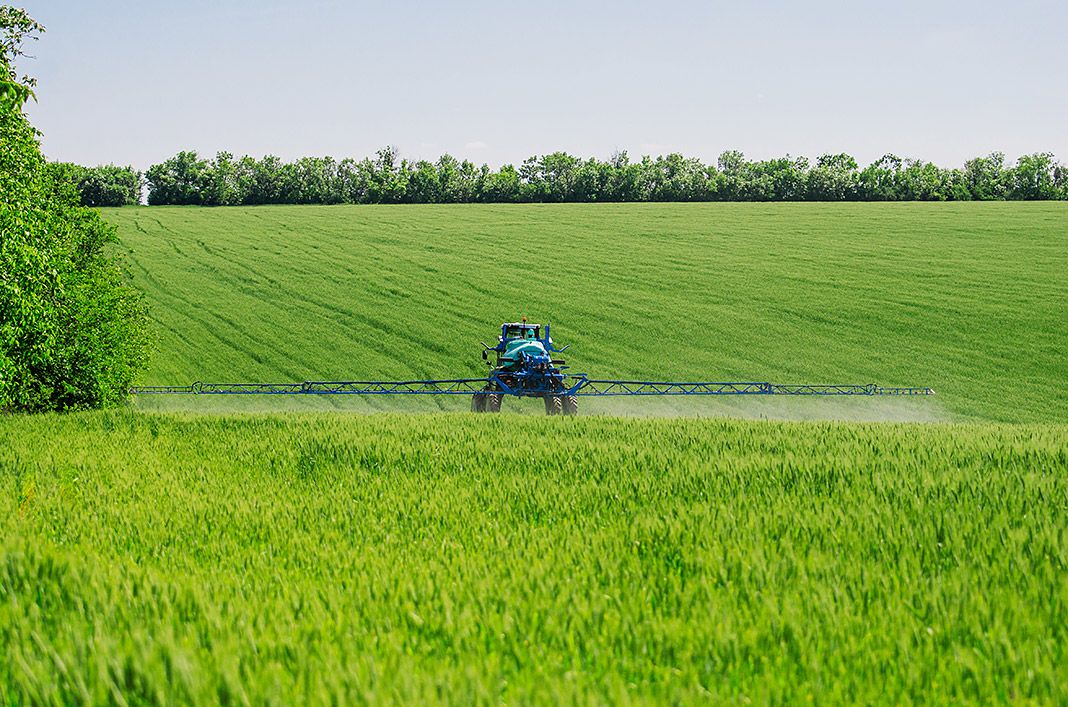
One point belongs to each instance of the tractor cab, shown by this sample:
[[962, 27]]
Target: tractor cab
[[521, 346], [520, 330]]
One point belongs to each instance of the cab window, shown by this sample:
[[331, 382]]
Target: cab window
[[521, 332]]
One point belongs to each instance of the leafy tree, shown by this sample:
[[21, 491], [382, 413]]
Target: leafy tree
[[834, 178], [449, 187], [245, 170], [16, 27], [423, 184], [880, 181], [922, 181], [1033, 177], [267, 183], [72, 330], [352, 184], [955, 185], [533, 186], [183, 179], [985, 176], [549, 178], [782, 179], [220, 182], [386, 181], [1060, 181], [623, 178], [591, 181], [317, 181], [106, 185], [110, 185], [470, 182], [731, 164], [675, 178], [559, 170], [501, 186]]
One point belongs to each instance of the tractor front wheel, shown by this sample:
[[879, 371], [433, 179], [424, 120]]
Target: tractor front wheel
[[571, 405], [493, 402], [478, 402], [554, 405]]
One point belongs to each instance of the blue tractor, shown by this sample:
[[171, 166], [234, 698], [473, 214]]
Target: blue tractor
[[523, 366]]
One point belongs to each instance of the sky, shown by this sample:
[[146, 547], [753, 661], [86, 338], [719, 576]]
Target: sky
[[134, 82]]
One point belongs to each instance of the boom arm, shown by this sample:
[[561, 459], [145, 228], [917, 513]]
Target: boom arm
[[575, 384]]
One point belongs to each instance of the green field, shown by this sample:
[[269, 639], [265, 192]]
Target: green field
[[505, 559], [280, 550], [970, 299]]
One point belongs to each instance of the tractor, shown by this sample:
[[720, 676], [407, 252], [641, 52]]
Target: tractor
[[523, 366]]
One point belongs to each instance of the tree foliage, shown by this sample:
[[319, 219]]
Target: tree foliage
[[188, 178], [16, 27], [73, 333], [106, 185]]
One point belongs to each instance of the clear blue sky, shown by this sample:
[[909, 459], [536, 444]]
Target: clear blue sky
[[133, 82]]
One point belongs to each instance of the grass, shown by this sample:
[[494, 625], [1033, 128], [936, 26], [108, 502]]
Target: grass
[[966, 298], [313, 557], [411, 558]]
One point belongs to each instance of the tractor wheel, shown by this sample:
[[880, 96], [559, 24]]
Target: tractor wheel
[[478, 402], [493, 402], [554, 405], [571, 405]]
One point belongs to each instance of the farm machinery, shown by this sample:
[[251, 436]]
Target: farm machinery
[[522, 364]]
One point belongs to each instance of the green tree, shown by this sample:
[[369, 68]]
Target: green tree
[[1060, 181], [781, 179], [502, 186], [834, 178], [922, 181], [73, 332], [183, 179], [220, 181], [423, 184], [550, 177], [111, 185], [449, 187], [16, 27], [733, 178], [985, 176], [623, 177], [1033, 177], [676, 178], [470, 182], [592, 180], [879, 181], [267, 181], [384, 180]]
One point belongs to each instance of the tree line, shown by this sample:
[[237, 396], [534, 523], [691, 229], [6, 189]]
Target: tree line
[[223, 180]]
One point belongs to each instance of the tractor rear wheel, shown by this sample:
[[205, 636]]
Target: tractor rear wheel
[[554, 405], [478, 402], [493, 402], [571, 405]]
